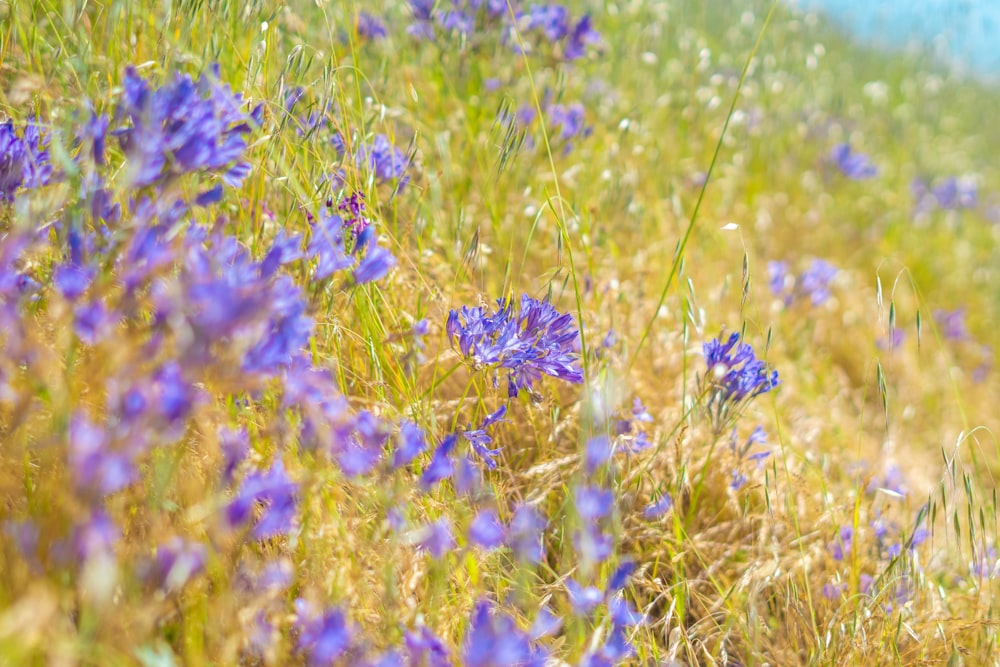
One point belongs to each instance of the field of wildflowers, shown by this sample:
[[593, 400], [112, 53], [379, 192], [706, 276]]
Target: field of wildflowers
[[492, 333]]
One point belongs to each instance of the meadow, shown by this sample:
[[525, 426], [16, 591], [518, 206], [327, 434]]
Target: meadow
[[492, 333]]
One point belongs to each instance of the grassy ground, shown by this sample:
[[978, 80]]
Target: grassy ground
[[861, 530]]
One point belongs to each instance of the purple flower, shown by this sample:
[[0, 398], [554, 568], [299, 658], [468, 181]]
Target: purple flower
[[623, 614], [182, 127], [480, 439], [892, 341], [568, 120], [639, 411], [411, 443], [620, 577], [421, 9], [425, 648], [177, 561], [816, 281], [592, 544], [374, 266], [387, 162], [486, 530], [658, 507], [537, 340], [359, 453], [440, 466], [327, 245], [546, 623], [953, 194], [583, 600], [583, 35], [23, 160], [841, 546], [323, 638], [468, 477], [597, 452], [96, 465], [952, 323], [175, 396], [91, 321], [457, 21], [235, 444], [856, 166], [495, 640], [833, 591], [353, 208], [893, 481], [525, 534], [738, 480], [72, 280], [285, 249], [736, 376], [96, 537], [552, 20], [211, 196], [274, 494], [371, 27], [593, 503], [777, 275], [436, 538]]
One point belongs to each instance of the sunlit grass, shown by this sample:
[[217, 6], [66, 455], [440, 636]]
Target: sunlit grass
[[863, 537]]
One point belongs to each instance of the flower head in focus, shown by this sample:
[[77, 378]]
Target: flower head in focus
[[532, 341]]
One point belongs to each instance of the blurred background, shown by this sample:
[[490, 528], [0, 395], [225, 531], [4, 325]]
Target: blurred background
[[962, 33]]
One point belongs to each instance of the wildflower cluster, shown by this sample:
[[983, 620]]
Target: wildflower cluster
[[552, 23], [949, 194], [812, 284], [24, 160], [532, 341], [734, 376], [853, 165]]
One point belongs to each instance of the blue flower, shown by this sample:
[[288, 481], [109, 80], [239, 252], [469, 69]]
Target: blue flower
[[177, 561], [486, 530], [323, 638], [583, 599], [495, 640], [96, 464], [480, 439], [436, 538], [952, 323], [379, 156], [92, 321], [593, 503], [738, 376], [24, 162], [592, 544], [412, 442], [374, 266], [597, 452], [856, 166], [96, 537], [72, 280], [440, 466], [816, 281], [658, 507], [235, 446], [184, 126], [623, 614], [525, 534], [534, 341], [425, 648], [371, 27], [327, 245], [274, 493]]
